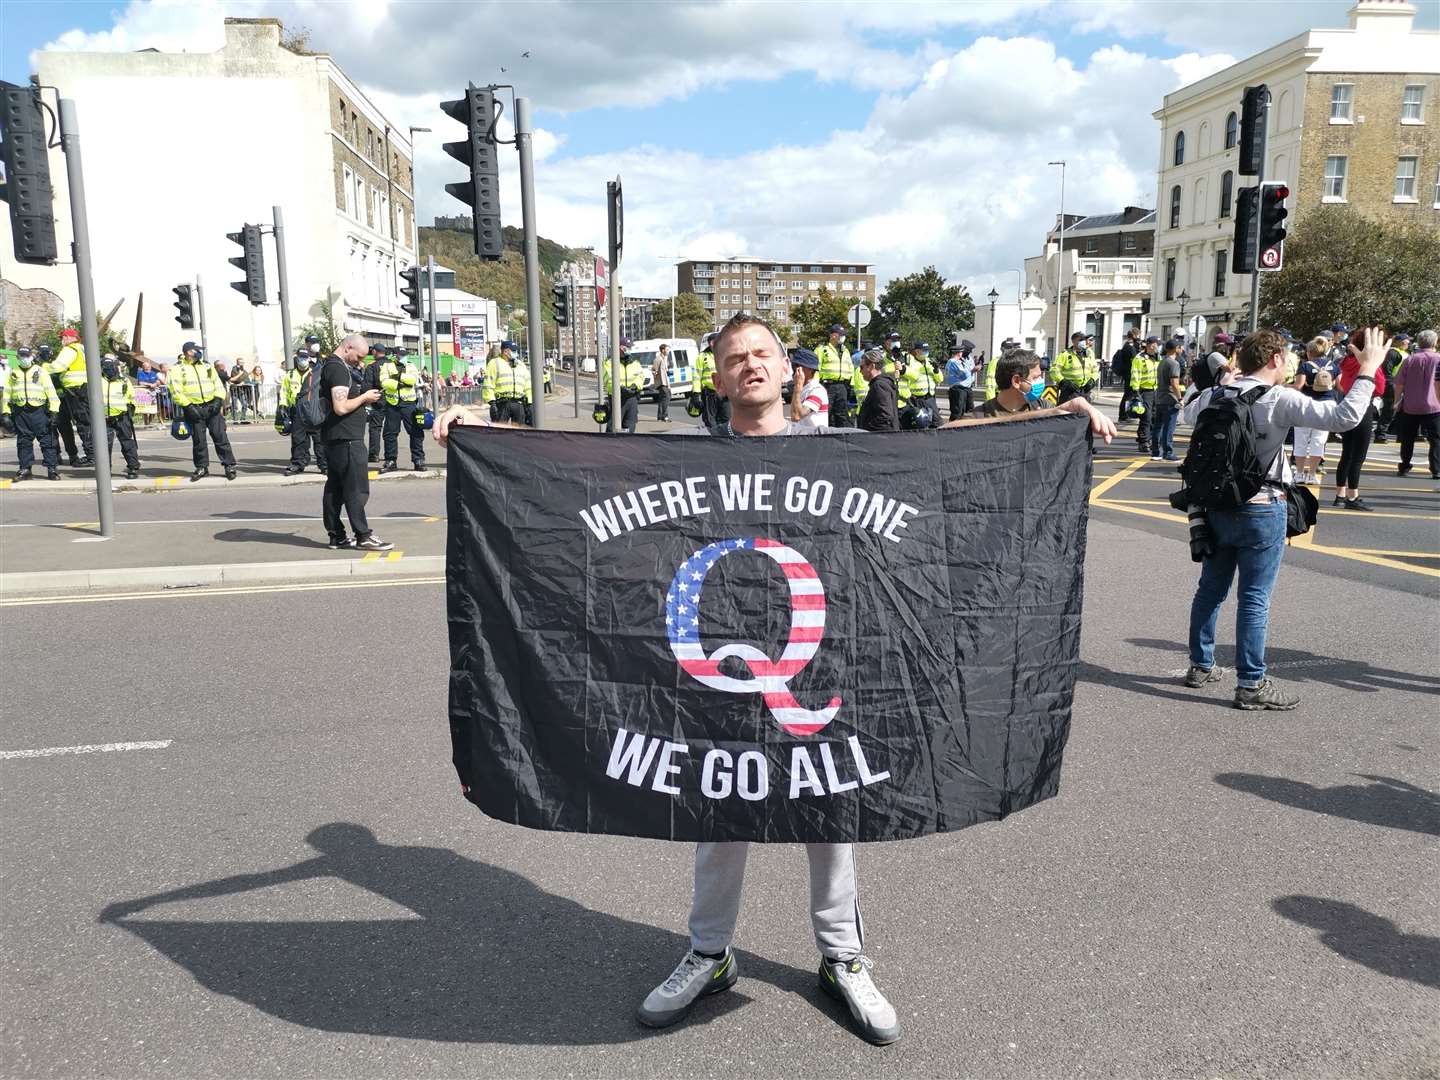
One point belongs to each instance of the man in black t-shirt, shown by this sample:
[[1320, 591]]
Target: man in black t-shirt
[[347, 482]]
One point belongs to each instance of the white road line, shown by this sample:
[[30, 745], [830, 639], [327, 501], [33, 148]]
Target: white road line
[[96, 748], [234, 522]]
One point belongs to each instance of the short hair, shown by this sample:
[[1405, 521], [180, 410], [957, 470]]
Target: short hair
[[1427, 339], [354, 341], [1259, 347], [1014, 363], [739, 322], [1317, 346], [873, 355]]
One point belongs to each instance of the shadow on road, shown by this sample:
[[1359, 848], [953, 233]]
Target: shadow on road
[[1366, 938], [1392, 803], [490, 956], [1159, 684], [1299, 666], [259, 536]]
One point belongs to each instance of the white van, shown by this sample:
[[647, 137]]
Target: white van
[[683, 354]]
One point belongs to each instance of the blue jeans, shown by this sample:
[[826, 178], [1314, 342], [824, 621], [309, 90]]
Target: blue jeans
[[1252, 541], [1162, 431]]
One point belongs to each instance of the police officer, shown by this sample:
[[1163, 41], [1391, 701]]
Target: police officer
[[632, 381], [507, 385], [31, 403], [120, 415], [1144, 370], [374, 414], [836, 374], [400, 385], [1400, 349], [301, 437], [919, 381], [1006, 347], [714, 409], [67, 372], [1076, 371], [199, 397]]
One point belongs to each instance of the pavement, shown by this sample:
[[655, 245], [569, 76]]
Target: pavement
[[280, 878]]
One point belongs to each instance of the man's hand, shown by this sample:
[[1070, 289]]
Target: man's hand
[[1100, 424], [1377, 345], [456, 416], [369, 397]]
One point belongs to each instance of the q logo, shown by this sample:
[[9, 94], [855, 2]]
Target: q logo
[[770, 678]]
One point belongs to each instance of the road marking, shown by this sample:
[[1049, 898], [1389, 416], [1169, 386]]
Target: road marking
[[168, 481], [5, 484], [373, 475], [382, 556], [1323, 511], [1098, 491], [234, 590], [94, 748], [1399, 554], [198, 521]]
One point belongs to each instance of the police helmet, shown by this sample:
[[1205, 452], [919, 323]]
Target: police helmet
[[692, 405], [179, 429], [914, 418], [312, 339], [283, 423], [23, 357], [601, 413], [43, 353]]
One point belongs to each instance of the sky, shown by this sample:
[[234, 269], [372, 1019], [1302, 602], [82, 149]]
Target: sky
[[901, 134]]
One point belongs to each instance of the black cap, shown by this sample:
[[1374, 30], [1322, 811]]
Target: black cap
[[836, 328], [1078, 335], [188, 346], [312, 339]]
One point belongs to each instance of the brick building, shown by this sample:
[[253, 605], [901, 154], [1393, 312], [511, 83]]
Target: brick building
[[1354, 120], [770, 289]]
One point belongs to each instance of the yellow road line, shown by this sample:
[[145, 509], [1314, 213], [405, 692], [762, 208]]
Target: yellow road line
[[1099, 490], [1399, 554], [382, 556], [234, 590]]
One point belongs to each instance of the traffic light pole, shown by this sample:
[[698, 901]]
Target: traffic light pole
[[434, 341], [1259, 191], [574, 339], [535, 326], [284, 283], [200, 309], [85, 286]]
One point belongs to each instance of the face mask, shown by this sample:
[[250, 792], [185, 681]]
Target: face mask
[[1037, 387], [315, 349], [304, 363], [24, 362]]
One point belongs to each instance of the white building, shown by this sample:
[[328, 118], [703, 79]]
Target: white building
[[180, 149], [466, 325], [1352, 121], [1024, 322]]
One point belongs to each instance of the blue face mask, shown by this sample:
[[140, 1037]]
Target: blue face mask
[[1036, 389]]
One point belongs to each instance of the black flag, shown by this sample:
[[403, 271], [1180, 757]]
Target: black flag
[[826, 639]]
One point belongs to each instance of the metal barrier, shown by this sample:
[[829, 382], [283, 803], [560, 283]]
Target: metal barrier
[[461, 395]]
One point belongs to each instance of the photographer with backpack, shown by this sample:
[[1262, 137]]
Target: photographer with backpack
[[1236, 474]]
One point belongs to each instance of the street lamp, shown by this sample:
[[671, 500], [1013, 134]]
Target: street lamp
[[992, 296], [1184, 299], [420, 303], [1060, 273]]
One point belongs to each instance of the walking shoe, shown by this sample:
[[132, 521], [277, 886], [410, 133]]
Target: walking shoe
[[849, 981], [53, 474], [388, 467], [230, 473], [23, 474], [1198, 676], [131, 474], [1381, 440], [292, 470], [1339, 501], [420, 466], [1154, 457], [75, 462], [1358, 503], [1402, 470], [1265, 696], [340, 543], [199, 474], [86, 462], [1170, 457], [371, 542], [694, 977], [373, 458]]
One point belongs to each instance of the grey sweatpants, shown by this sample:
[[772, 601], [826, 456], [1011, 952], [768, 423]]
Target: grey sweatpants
[[834, 898]]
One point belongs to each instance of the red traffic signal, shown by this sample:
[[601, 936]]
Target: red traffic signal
[[1272, 225]]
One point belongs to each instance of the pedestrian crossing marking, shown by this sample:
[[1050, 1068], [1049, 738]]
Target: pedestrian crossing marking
[[167, 481], [382, 556], [372, 474], [1099, 490], [428, 519]]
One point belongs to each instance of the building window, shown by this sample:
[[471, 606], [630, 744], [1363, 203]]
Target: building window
[[860, 285], [847, 286], [1175, 207], [1437, 189], [1232, 130], [347, 179], [830, 285], [1169, 279], [1412, 105], [1091, 244], [1227, 192], [1406, 172], [1342, 95], [1179, 148], [1129, 241], [1220, 260], [814, 270], [1334, 187]]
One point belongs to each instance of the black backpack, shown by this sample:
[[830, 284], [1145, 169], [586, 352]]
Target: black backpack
[[311, 409], [1222, 470]]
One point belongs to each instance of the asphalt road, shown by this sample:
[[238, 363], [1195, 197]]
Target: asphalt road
[[1213, 893]]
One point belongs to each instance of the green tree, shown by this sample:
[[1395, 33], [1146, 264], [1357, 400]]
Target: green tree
[[1343, 267], [691, 318], [813, 318], [322, 326], [110, 341], [922, 307]]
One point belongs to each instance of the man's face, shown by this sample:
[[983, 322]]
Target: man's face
[[868, 370], [1152, 348], [835, 337], [752, 368], [1021, 383]]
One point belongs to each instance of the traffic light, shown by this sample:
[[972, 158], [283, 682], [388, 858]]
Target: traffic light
[[252, 262], [185, 305], [476, 110], [1252, 129], [1243, 250], [1272, 225], [562, 303], [25, 151], [411, 291]]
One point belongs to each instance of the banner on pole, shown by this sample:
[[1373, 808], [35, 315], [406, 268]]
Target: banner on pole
[[846, 638]]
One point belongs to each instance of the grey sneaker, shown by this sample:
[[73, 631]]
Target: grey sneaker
[[1198, 676], [849, 981], [1265, 696], [694, 977]]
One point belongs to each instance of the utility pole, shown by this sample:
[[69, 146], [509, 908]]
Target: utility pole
[[434, 341], [1259, 191], [616, 230], [85, 286], [284, 282], [574, 339], [534, 324], [200, 307], [1060, 265]]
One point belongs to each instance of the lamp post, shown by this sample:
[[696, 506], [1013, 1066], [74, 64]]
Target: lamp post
[[992, 296], [675, 296], [1060, 255], [415, 221], [1019, 311], [1184, 299]]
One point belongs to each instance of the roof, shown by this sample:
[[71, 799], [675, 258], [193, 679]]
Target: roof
[[1110, 221]]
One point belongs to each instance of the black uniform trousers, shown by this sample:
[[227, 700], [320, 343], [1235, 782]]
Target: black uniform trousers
[[209, 417], [375, 423], [32, 425], [403, 416], [1142, 434], [629, 412], [347, 486], [838, 391], [74, 416], [122, 425], [1410, 425], [508, 409], [300, 439], [714, 409], [961, 402]]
